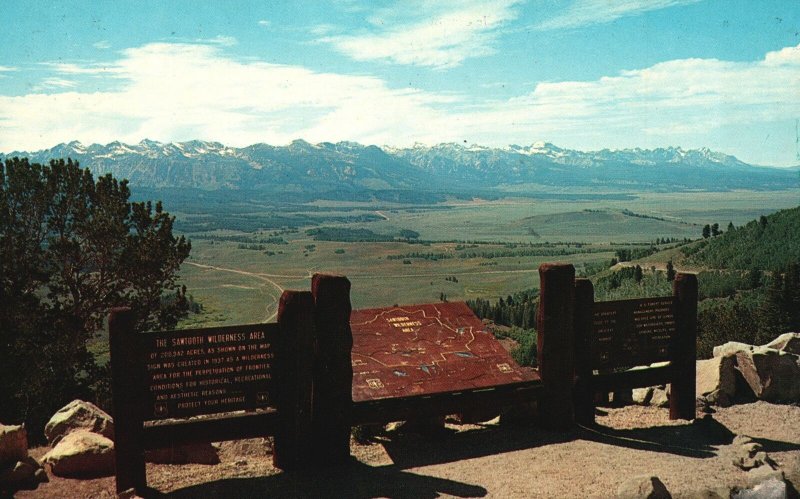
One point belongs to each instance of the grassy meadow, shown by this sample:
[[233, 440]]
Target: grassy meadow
[[464, 249]]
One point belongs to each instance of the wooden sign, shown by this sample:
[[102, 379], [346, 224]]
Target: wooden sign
[[426, 349], [627, 333], [206, 371]]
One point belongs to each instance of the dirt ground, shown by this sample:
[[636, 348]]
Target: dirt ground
[[492, 460]]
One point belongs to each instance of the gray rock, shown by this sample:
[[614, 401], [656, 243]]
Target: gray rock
[[731, 348], [761, 474], [78, 415], [82, 453], [203, 453], [773, 375], [660, 397], [642, 396], [643, 487], [13, 444], [25, 474], [718, 398], [769, 489], [787, 342], [717, 376]]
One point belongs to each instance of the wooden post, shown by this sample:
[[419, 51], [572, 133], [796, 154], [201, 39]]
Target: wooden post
[[582, 319], [684, 348], [126, 380], [556, 344], [333, 370], [294, 380]]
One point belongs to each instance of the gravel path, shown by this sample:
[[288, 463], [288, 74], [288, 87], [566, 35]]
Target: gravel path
[[496, 461]]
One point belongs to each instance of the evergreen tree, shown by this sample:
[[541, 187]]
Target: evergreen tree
[[706, 231], [670, 271], [71, 248], [715, 230], [638, 274]]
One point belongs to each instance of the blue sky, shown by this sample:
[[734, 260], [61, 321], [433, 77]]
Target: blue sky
[[584, 74]]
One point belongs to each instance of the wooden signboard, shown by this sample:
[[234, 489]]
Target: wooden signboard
[[426, 349], [627, 333], [206, 371]]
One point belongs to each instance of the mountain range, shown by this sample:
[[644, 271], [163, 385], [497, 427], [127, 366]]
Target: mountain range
[[351, 167]]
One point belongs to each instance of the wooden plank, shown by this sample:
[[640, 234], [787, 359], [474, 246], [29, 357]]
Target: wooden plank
[[425, 349], [385, 410], [127, 379], [635, 378], [584, 393], [161, 434], [684, 348], [556, 347], [333, 374], [295, 378]]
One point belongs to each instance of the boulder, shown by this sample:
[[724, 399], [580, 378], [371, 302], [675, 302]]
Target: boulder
[[642, 396], [772, 488], [25, 474], [787, 342], [203, 453], [731, 348], [773, 375], [660, 397], [13, 444], [718, 375], [82, 453], [643, 487], [78, 415], [791, 469]]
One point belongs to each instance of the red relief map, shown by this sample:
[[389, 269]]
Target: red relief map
[[423, 349]]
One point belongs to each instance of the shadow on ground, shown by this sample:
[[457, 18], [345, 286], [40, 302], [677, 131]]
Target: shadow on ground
[[356, 480], [412, 450], [698, 439]]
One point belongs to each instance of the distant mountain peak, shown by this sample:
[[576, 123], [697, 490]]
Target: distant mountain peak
[[346, 166]]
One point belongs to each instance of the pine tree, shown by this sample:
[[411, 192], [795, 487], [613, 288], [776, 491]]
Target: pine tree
[[670, 271], [71, 248]]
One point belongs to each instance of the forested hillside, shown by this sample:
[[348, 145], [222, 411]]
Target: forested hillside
[[769, 243]]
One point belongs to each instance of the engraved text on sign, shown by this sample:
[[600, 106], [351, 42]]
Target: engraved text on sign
[[208, 371]]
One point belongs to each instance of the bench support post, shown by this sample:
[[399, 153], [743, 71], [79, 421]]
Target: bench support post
[[584, 393], [333, 370], [126, 380], [294, 380], [682, 403], [555, 345]]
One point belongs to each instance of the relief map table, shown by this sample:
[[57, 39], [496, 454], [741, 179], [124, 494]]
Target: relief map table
[[425, 349]]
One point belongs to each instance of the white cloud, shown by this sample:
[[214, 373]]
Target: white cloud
[[102, 45], [587, 12], [222, 40], [679, 101], [182, 91], [50, 83], [445, 34], [172, 92], [265, 23], [7, 69]]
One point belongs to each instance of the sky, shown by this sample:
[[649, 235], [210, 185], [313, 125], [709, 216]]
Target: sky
[[582, 74]]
